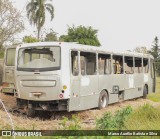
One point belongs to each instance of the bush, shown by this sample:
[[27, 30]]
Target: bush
[[117, 121]]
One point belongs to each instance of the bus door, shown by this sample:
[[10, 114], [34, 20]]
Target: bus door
[[89, 80], [75, 82], [153, 76]]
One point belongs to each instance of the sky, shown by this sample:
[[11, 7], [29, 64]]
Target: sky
[[121, 24]]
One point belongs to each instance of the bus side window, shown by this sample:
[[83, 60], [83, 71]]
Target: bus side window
[[10, 57], [101, 65], [128, 65], [138, 65], [104, 63], [83, 65], [74, 60], [108, 66], [117, 64], [145, 65], [88, 63]]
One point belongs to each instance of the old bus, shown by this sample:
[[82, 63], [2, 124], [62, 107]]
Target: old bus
[[8, 70], [54, 76]]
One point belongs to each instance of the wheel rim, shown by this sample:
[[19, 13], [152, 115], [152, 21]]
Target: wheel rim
[[103, 101]]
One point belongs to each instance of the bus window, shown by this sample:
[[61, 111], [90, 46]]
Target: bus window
[[117, 64], [104, 64], [74, 59], [26, 58], [83, 65], [145, 65], [88, 63], [42, 58], [10, 58], [138, 65], [128, 65]]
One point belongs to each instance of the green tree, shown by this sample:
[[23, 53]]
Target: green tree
[[51, 36], [36, 13], [29, 39], [155, 53], [82, 35]]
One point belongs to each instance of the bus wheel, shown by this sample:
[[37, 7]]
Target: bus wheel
[[145, 92], [103, 100], [30, 112]]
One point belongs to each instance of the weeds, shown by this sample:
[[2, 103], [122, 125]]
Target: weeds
[[117, 121], [72, 124]]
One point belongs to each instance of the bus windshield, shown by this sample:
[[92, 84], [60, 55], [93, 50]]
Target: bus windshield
[[39, 58]]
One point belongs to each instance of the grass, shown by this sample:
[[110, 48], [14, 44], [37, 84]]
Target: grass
[[145, 117], [155, 96]]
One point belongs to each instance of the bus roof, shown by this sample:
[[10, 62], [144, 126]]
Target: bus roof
[[76, 46]]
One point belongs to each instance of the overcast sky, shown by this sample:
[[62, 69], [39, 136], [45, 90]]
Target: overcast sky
[[122, 24]]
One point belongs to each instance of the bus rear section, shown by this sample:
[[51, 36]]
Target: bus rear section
[[38, 79], [8, 80]]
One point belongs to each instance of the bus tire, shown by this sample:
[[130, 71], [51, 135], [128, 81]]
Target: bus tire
[[103, 100], [145, 92]]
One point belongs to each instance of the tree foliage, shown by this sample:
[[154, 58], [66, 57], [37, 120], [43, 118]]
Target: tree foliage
[[36, 13], [11, 22], [51, 36], [155, 52], [142, 49], [29, 39], [82, 35]]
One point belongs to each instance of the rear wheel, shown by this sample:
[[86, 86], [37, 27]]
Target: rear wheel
[[103, 100], [145, 92]]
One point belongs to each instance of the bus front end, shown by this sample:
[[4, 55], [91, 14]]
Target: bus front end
[[38, 79], [8, 85]]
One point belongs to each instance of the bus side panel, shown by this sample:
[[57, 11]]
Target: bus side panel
[[131, 93], [83, 96], [139, 83], [106, 84], [74, 101], [9, 75], [1, 71], [89, 94], [88, 102], [133, 86]]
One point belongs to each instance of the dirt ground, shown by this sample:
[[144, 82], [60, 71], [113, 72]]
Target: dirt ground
[[50, 121]]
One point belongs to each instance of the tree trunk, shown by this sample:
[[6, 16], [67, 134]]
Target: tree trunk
[[39, 30]]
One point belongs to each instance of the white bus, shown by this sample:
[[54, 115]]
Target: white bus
[[54, 76], [8, 70]]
